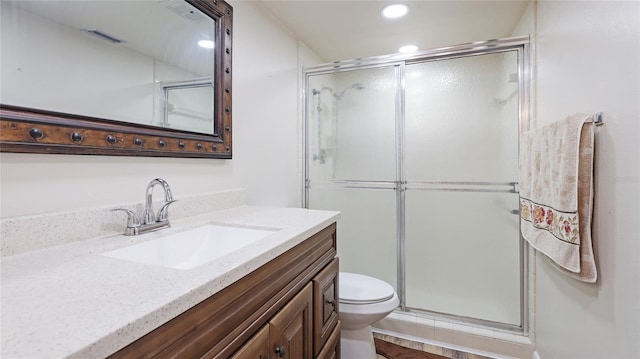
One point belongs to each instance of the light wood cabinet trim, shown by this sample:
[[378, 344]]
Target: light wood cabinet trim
[[219, 325]]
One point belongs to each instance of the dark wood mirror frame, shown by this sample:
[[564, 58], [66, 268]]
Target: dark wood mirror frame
[[26, 130]]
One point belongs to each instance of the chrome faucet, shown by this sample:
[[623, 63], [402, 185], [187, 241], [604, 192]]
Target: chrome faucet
[[149, 216], [150, 221]]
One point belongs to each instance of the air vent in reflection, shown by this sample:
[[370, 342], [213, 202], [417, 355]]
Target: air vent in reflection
[[104, 36], [185, 10]]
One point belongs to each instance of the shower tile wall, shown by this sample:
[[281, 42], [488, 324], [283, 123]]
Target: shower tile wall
[[441, 334]]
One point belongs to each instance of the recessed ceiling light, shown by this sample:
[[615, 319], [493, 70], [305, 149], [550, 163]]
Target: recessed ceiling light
[[408, 48], [207, 44], [394, 11]]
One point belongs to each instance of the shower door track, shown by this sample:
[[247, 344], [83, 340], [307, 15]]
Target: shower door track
[[400, 186], [454, 186]]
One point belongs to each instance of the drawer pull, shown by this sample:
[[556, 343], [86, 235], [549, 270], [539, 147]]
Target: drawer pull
[[280, 351], [331, 302]]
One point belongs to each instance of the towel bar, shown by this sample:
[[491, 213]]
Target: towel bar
[[597, 120]]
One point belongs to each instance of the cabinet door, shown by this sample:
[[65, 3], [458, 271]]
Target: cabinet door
[[290, 331], [332, 349], [256, 348], [325, 304]]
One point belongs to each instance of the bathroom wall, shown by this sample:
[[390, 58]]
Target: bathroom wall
[[265, 152], [587, 61]]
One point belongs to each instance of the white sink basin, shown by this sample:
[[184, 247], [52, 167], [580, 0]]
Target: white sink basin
[[191, 248]]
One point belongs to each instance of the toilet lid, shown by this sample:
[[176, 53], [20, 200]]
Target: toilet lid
[[362, 289]]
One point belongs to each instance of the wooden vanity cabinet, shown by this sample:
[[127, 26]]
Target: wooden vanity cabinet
[[285, 309], [288, 332], [309, 321]]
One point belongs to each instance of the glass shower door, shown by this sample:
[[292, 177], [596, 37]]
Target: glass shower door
[[462, 254], [421, 158], [351, 163]]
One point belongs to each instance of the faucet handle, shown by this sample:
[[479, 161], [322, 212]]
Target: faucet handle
[[133, 220], [163, 213]]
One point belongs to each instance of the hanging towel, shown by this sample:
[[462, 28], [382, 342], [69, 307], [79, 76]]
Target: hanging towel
[[556, 193]]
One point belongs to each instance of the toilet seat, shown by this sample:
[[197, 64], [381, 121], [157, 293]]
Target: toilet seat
[[361, 289]]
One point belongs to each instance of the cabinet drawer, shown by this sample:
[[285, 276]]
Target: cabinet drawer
[[332, 349], [325, 304]]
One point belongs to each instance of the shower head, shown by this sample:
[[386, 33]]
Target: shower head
[[337, 96], [358, 86], [323, 88]]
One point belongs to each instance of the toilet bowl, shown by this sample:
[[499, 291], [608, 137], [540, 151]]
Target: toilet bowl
[[363, 301]]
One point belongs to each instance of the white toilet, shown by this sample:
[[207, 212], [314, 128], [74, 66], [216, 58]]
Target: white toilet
[[363, 301]]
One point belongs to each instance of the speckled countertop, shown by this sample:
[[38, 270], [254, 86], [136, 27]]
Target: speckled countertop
[[69, 301]]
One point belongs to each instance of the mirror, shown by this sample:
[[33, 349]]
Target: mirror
[[137, 78]]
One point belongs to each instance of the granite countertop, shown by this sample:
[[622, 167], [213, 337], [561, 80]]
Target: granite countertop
[[69, 301]]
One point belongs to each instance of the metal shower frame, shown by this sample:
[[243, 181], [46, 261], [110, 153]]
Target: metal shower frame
[[522, 46]]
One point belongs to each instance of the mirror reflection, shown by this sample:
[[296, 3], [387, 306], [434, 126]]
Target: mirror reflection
[[133, 61], [188, 105]]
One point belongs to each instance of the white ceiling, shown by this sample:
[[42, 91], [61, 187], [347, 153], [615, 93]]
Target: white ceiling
[[334, 30], [341, 30]]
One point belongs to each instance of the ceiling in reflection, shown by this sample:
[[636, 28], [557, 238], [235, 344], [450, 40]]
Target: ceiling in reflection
[[167, 30]]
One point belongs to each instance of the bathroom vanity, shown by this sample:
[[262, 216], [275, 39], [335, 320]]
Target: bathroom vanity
[[276, 297], [286, 308]]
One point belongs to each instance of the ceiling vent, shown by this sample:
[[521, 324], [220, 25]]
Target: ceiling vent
[[183, 9], [104, 36]]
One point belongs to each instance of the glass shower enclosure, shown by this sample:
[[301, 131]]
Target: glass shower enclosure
[[420, 154]]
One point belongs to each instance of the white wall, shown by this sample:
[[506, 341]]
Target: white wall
[[588, 56], [265, 141], [265, 108]]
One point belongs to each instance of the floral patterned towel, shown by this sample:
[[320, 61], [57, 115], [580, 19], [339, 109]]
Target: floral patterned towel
[[556, 193]]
